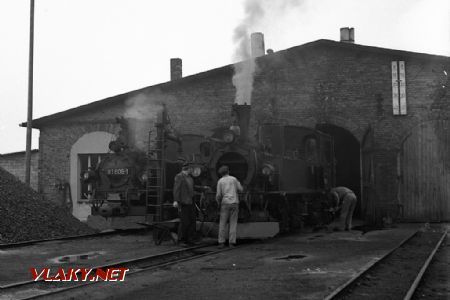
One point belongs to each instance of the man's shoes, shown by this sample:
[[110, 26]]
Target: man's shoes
[[232, 245], [221, 246]]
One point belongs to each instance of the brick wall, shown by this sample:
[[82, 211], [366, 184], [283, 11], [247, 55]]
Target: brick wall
[[14, 163], [346, 87], [352, 89]]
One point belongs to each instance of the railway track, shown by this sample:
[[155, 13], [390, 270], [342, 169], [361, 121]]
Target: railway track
[[40, 289], [74, 237], [397, 274], [435, 281]]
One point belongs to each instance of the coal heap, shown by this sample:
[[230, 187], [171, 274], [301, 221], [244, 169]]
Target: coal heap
[[25, 215]]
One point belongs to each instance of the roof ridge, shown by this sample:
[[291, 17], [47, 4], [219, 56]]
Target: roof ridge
[[226, 68]]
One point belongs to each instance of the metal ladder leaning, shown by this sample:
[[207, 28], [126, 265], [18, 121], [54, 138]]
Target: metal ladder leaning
[[155, 186]]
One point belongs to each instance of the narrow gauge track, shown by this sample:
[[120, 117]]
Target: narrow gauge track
[[38, 289], [397, 274], [435, 281], [74, 237]]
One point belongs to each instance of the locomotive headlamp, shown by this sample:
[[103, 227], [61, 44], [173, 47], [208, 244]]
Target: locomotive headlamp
[[196, 171], [267, 170], [228, 136], [88, 176], [143, 177]]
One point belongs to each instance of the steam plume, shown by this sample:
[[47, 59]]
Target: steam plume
[[255, 11], [244, 71], [141, 112]]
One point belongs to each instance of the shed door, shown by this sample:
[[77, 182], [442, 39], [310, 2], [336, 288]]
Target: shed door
[[425, 172]]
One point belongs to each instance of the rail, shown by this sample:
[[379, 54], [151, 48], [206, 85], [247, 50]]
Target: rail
[[73, 237], [344, 290], [136, 265]]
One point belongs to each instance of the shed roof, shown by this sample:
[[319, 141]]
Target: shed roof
[[228, 70], [17, 153]]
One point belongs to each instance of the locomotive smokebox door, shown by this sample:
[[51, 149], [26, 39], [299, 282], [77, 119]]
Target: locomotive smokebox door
[[241, 162]]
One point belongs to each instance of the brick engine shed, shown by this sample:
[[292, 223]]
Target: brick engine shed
[[391, 148]]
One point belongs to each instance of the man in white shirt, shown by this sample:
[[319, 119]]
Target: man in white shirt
[[228, 199]]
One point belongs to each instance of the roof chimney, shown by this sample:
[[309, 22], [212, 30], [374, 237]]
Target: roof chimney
[[257, 44], [348, 35], [176, 68]]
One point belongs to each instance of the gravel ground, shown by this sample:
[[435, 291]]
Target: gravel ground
[[303, 266], [25, 216]]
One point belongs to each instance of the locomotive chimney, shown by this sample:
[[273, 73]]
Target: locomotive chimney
[[242, 113], [176, 68], [257, 44]]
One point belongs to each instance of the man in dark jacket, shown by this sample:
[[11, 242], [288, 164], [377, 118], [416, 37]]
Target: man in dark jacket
[[183, 193]]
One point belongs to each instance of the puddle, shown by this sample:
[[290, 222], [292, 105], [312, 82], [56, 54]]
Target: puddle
[[77, 257], [314, 271], [291, 257]]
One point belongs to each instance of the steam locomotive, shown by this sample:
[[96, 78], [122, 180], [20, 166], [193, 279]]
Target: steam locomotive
[[284, 173]]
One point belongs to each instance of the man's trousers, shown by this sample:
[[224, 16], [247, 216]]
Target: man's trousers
[[228, 214]]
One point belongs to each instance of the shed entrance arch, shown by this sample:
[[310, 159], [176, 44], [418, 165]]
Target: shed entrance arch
[[91, 143], [348, 161]]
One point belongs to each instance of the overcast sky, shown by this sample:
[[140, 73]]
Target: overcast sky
[[87, 50]]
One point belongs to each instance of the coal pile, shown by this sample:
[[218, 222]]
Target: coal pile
[[25, 215]]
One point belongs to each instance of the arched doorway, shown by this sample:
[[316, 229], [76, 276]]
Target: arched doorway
[[347, 156], [424, 187], [93, 143]]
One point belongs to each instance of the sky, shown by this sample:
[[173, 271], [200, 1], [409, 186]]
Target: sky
[[87, 50]]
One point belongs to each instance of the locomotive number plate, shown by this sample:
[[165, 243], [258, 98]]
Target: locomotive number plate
[[118, 171]]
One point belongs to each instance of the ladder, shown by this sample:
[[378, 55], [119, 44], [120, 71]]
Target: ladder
[[155, 186]]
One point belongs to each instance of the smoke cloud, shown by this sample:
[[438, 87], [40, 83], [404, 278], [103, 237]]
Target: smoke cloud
[[141, 113], [143, 106], [255, 11], [244, 71]]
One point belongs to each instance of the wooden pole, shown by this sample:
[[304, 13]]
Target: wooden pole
[[30, 97]]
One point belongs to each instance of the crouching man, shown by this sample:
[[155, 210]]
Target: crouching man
[[228, 200], [345, 200]]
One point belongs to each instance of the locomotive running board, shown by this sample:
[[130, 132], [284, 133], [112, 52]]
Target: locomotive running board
[[251, 230]]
